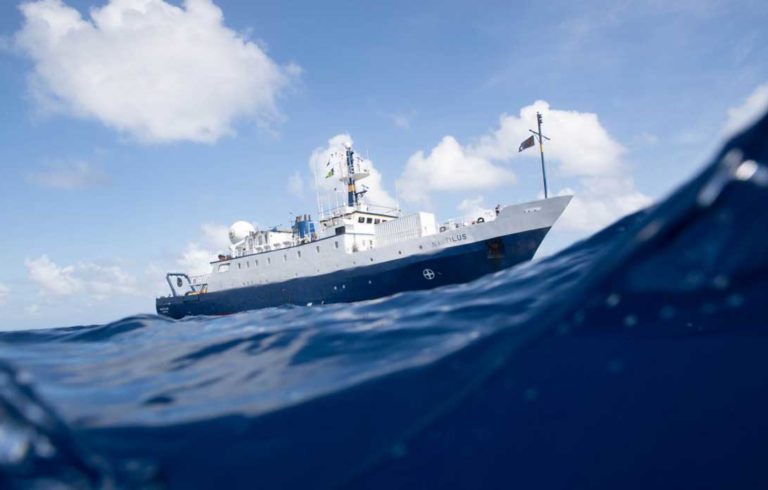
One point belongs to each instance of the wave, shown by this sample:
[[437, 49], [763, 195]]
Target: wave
[[632, 359]]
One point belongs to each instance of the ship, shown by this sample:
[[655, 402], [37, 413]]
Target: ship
[[358, 251]]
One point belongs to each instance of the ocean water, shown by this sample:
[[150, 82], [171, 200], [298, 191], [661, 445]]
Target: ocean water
[[635, 359]]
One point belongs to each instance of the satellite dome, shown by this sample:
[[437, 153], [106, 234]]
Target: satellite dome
[[239, 231]]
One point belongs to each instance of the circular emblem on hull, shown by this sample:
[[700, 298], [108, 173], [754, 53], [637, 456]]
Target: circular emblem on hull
[[428, 274]]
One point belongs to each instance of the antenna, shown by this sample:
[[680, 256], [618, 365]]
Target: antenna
[[317, 192]]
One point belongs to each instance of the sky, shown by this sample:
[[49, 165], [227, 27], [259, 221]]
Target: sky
[[133, 132]]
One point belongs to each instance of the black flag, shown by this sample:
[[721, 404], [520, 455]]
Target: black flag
[[526, 144]]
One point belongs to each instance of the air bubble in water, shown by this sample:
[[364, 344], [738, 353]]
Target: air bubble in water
[[746, 170], [721, 282], [14, 444], [612, 300], [630, 320], [667, 312]]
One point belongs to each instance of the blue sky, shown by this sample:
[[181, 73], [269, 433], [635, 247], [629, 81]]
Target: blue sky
[[133, 133]]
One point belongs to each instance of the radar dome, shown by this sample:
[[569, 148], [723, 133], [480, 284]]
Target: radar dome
[[239, 231]]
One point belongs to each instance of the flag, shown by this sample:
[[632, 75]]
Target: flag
[[526, 144], [330, 174]]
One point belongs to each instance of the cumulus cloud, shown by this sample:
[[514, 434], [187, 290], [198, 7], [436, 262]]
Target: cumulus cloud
[[581, 150], [334, 153], [150, 69], [94, 280], [581, 145], [4, 291], [196, 257], [449, 167], [69, 176], [747, 113], [472, 208], [599, 201]]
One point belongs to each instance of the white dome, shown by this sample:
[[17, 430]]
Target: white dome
[[239, 231]]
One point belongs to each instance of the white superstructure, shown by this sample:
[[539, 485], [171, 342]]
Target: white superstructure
[[355, 235]]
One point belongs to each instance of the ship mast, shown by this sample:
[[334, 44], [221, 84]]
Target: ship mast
[[353, 175], [541, 138], [351, 188]]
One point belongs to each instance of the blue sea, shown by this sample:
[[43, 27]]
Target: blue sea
[[635, 359]]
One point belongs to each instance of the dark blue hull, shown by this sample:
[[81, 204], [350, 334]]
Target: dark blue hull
[[450, 266]]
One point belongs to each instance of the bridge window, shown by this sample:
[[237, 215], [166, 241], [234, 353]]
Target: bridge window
[[361, 219], [376, 221], [223, 267], [369, 220], [317, 248], [285, 257], [336, 244], [298, 253], [239, 265]]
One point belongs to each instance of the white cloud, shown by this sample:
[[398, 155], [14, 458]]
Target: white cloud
[[52, 279], [581, 150], [472, 208], [196, 257], [4, 291], [580, 145], [296, 184], [70, 176], [747, 113], [333, 152], [196, 260], [94, 280], [449, 167], [600, 201], [150, 69]]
